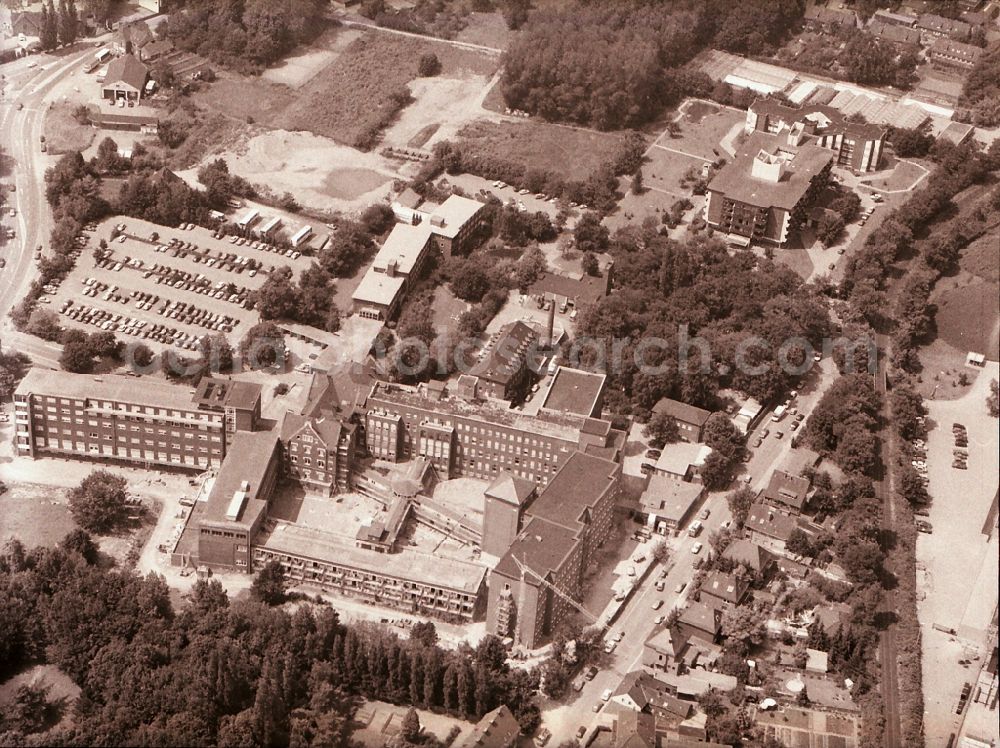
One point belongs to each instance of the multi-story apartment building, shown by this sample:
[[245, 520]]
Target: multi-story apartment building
[[856, 145], [530, 588], [765, 193], [474, 438], [110, 418]]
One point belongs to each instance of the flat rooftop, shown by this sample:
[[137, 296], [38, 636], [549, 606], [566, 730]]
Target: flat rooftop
[[677, 458], [453, 213], [227, 393], [378, 288], [669, 498], [735, 182], [558, 425], [409, 565], [404, 245], [574, 391], [107, 387], [247, 459]]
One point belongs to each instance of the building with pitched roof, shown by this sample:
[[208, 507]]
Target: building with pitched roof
[[900, 36], [496, 729], [933, 26], [754, 557], [632, 729], [26, 22], [504, 504], [768, 527], [126, 79], [856, 145], [503, 371], [641, 692], [131, 38], [786, 492], [953, 55], [532, 584], [701, 621], [721, 590], [690, 419], [577, 290]]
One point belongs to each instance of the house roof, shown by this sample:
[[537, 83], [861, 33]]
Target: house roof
[[749, 554], [669, 499], [682, 411], [726, 587], [578, 486], [574, 391], [126, 69], [702, 617], [801, 164], [669, 640], [511, 489], [159, 47], [408, 198], [898, 19], [505, 352], [27, 22], [137, 33], [582, 290], [950, 48], [542, 547], [633, 730], [496, 729], [767, 521], [679, 458], [942, 25], [894, 33], [649, 693], [785, 488], [956, 132]]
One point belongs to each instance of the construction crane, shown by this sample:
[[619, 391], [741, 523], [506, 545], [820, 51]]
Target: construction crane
[[525, 569]]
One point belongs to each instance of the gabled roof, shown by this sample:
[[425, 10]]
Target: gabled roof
[[787, 489], [159, 47], [702, 617], [505, 353], [648, 693], [950, 48], [542, 547], [669, 640], [575, 489], [726, 587], [137, 33], [128, 70], [511, 489], [749, 554], [767, 521], [633, 730], [497, 729], [682, 411]]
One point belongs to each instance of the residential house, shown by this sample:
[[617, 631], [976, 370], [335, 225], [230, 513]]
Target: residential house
[[126, 79], [894, 19], [641, 692], [768, 527], [721, 590], [496, 729], [130, 38], [689, 418], [949, 54], [901, 37], [632, 729], [680, 461], [933, 26], [754, 557], [26, 22], [577, 290], [155, 50], [786, 492], [830, 20], [702, 621]]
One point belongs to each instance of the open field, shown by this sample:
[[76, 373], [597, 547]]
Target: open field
[[319, 172], [63, 133], [445, 103], [968, 316], [298, 69], [353, 100], [703, 126], [569, 152], [664, 169], [982, 257], [486, 29], [34, 514], [901, 177]]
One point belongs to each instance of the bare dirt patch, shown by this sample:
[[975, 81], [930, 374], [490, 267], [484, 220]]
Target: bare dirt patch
[[572, 153], [300, 69], [63, 133], [446, 103], [320, 173], [425, 134], [353, 100]]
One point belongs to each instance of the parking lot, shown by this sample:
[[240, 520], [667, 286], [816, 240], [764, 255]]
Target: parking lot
[[167, 291]]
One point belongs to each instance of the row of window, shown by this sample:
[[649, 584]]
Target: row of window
[[50, 400]]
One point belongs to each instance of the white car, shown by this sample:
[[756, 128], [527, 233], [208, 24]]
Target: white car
[[696, 548], [606, 696]]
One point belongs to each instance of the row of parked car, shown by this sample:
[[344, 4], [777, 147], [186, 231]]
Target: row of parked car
[[228, 261], [292, 254], [103, 319]]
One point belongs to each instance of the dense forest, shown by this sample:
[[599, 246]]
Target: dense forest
[[216, 672], [618, 65], [669, 290], [244, 36], [980, 101]]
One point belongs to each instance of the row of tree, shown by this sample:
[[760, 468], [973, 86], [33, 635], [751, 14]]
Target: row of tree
[[59, 27], [222, 673]]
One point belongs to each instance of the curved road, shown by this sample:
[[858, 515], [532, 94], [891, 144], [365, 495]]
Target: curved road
[[22, 131]]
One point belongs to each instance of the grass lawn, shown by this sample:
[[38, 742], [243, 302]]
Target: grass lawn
[[702, 128], [447, 309], [63, 133], [352, 98], [982, 257], [798, 260], [486, 29], [663, 170], [900, 178], [35, 515], [968, 314], [571, 153]]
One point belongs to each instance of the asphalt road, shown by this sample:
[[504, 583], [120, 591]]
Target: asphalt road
[[22, 132]]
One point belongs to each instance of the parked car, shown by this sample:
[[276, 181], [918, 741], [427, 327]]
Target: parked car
[[923, 526], [680, 587], [705, 513], [580, 732], [657, 605], [653, 454], [542, 737], [696, 548]]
